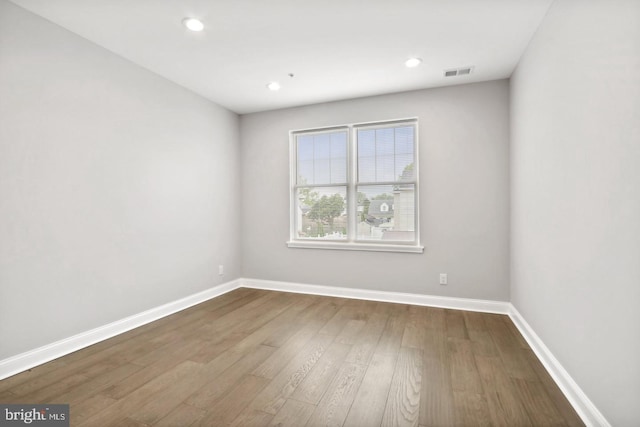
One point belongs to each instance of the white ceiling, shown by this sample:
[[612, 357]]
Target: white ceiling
[[337, 49]]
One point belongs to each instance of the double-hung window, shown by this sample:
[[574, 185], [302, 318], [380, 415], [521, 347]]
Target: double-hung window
[[355, 187]]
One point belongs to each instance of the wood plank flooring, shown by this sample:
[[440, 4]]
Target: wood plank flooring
[[263, 358]]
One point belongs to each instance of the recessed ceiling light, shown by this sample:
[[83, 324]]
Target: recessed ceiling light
[[193, 24], [274, 86], [413, 62]]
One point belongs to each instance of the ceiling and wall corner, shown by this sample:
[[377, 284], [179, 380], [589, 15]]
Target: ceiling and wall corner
[[336, 49]]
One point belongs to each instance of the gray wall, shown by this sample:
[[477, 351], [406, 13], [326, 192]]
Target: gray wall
[[118, 189], [464, 195], [575, 110]]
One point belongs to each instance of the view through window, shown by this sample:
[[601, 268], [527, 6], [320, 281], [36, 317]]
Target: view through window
[[355, 184]]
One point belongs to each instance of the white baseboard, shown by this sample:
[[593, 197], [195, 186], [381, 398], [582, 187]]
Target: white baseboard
[[581, 403], [484, 306], [590, 415], [27, 360], [44, 354]]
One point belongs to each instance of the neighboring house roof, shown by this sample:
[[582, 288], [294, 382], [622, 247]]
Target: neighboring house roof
[[408, 174], [381, 208]]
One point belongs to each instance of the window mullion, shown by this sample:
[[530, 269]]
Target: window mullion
[[352, 194]]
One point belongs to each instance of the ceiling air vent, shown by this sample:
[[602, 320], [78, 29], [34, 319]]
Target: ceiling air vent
[[458, 72]]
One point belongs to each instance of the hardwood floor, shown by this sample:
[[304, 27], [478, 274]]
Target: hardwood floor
[[263, 358]]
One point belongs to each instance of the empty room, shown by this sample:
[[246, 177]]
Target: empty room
[[309, 213]]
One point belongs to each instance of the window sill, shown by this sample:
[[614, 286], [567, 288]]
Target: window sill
[[355, 246]]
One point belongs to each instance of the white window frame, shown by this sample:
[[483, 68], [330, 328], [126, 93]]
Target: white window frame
[[351, 243]]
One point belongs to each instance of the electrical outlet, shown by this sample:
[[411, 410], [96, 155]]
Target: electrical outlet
[[220, 270], [443, 278]]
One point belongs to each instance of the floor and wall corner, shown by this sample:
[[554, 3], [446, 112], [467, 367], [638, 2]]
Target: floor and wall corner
[[121, 193]]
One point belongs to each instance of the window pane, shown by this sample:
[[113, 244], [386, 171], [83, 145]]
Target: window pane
[[322, 171], [404, 164], [404, 139], [338, 158], [321, 213], [305, 172], [385, 154], [322, 158], [386, 212], [366, 155], [322, 146], [338, 172], [305, 147], [367, 169]]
